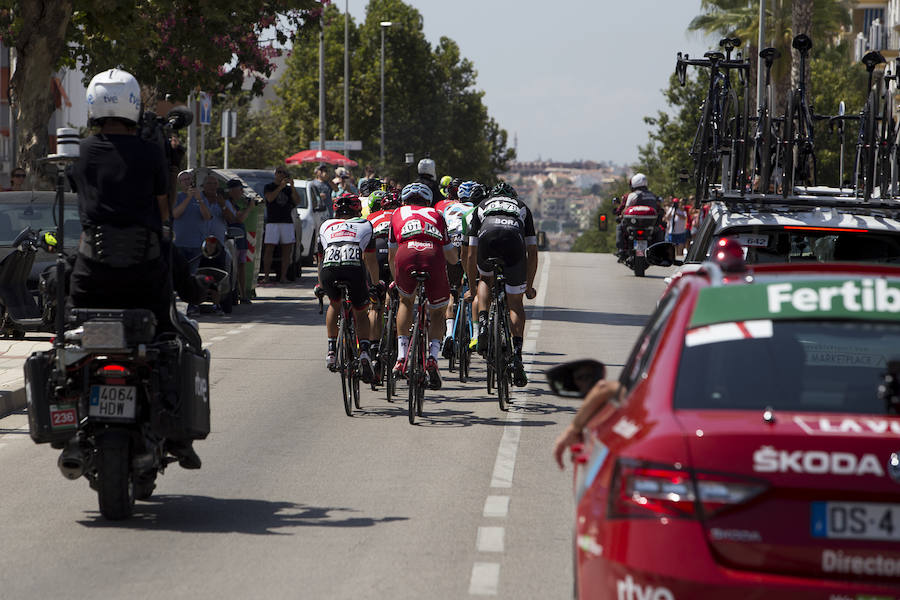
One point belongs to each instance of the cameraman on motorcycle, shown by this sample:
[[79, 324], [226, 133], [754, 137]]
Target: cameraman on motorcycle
[[640, 196], [122, 185]]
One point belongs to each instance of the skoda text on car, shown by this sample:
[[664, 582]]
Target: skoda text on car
[[750, 454]]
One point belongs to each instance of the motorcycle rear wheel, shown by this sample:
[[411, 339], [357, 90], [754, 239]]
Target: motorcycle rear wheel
[[115, 488], [639, 266]]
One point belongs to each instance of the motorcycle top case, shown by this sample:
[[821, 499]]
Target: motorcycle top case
[[180, 408], [50, 419]]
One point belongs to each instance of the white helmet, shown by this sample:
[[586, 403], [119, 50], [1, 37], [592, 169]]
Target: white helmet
[[426, 167], [639, 180], [114, 93]]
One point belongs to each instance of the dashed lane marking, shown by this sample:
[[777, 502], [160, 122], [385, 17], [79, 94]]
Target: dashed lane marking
[[485, 579], [233, 332], [496, 506], [490, 539], [218, 338]]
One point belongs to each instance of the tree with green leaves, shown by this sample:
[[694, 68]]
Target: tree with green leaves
[[431, 106], [170, 46]]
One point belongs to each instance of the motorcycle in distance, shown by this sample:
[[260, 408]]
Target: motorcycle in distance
[[220, 262], [21, 310], [640, 229]]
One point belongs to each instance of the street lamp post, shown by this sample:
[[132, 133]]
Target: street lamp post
[[384, 25]]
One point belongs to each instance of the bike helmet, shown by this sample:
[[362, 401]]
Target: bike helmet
[[638, 181], [391, 200], [416, 193], [376, 200], [347, 203], [465, 189], [478, 194], [445, 181], [369, 185], [505, 190], [426, 167], [113, 94]]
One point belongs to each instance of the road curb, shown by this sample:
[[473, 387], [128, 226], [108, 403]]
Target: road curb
[[12, 401]]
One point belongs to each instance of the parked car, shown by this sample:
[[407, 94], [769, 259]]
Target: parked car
[[308, 215], [750, 452]]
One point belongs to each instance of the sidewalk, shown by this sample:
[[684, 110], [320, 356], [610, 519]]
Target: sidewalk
[[12, 375]]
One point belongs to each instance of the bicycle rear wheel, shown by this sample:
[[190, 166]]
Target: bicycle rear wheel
[[787, 176], [353, 353], [489, 355], [415, 370], [502, 351], [389, 352], [343, 363], [462, 343]]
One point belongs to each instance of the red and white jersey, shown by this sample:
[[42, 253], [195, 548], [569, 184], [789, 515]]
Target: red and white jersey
[[342, 241], [418, 227], [381, 222]]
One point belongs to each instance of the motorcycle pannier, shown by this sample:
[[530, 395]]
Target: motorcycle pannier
[[50, 419], [180, 409]]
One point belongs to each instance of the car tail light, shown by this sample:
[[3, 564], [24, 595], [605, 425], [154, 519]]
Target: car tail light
[[645, 490], [640, 232]]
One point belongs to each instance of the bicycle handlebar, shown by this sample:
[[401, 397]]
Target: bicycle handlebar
[[683, 61]]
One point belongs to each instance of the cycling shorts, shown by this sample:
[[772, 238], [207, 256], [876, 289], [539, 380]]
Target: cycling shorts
[[455, 275], [427, 257], [508, 245], [355, 276]]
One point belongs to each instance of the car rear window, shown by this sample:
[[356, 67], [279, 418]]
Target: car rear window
[[14, 217], [803, 365], [816, 244]]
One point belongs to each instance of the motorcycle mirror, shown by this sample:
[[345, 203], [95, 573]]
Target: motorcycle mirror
[[210, 247], [575, 379], [841, 108], [662, 254]]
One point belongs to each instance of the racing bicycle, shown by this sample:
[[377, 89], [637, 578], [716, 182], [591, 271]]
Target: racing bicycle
[[499, 354], [762, 140], [418, 349], [798, 128], [347, 351], [462, 334], [864, 171], [387, 347]]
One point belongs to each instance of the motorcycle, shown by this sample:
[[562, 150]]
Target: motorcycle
[[113, 398], [20, 308], [219, 261], [640, 229]]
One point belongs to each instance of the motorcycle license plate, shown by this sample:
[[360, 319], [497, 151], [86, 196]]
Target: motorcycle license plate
[[856, 521], [640, 247], [113, 402]]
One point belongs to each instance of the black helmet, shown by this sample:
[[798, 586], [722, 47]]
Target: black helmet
[[477, 194], [369, 185], [504, 190]]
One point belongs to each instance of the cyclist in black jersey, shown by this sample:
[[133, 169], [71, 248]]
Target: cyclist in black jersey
[[502, 227]]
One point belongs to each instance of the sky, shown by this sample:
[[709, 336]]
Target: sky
[[570, 79]]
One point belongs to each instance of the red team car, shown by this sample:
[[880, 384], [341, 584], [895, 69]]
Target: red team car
[[751, 453]]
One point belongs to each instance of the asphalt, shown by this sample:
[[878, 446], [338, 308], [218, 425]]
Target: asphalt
[[13, 354]]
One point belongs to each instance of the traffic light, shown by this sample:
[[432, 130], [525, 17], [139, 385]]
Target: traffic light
[[602, 223]]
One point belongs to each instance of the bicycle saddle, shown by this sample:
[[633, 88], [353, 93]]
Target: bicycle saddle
[[802, 43], [712, 55], [730, 43], [420, 275], [769, 55], [872, 58]]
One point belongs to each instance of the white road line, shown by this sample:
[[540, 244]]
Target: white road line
[[218, 338], [490, 539], [485, 578], [247, 325], [233, 332], [496, 506], [505, 465]]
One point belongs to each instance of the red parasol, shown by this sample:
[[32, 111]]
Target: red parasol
[[320, 156]]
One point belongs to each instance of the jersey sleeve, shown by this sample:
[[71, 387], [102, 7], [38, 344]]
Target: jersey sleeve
[[530, 235], [365, 236], [474, 226], [392, 238], [445, 236]]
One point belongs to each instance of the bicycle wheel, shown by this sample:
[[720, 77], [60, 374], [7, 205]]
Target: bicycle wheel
[[413, 366], [885, 137], [763, 139], [502, 351], [343, 363], [701, 175], [420, 382], [787, 138], [462, 343], [866, 145], [353, 353], [489, 355], [389, 353]]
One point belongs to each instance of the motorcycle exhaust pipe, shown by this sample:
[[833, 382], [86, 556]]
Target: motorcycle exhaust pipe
[[71, 462]]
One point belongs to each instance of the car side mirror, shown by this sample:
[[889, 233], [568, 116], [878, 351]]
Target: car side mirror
[[575, 379], [662, 254]]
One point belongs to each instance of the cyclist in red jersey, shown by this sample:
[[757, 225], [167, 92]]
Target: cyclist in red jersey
[[452, 195], [381, 207], [418, 242]]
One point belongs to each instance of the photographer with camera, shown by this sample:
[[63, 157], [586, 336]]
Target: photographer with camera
[[281, 198]]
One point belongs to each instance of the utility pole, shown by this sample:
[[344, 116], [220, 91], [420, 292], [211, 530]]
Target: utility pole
[[346, 77], [384, 25], [322, 82]]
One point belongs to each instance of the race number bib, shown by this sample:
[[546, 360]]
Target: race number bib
[[347, 254], [410, 228], [382, 228]]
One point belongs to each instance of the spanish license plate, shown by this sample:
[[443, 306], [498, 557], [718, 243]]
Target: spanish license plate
[[640, 247], [113, 401], [856, 521]]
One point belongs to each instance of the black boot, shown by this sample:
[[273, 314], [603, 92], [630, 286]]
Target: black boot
[[183, 450]]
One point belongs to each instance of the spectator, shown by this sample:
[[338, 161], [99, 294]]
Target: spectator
[[322, 188], [16, 180], [370, 174], [281, 198], [220, 209], [676, 220], [243, 206], [191, 214]]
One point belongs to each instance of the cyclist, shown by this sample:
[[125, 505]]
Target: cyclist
[[427, 176], [381, 207], [640, 196], [365, 191], [445, 181], [502, 227], [418, 239], [451, 195], [345, 254], [453, 210], [476, 193]]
